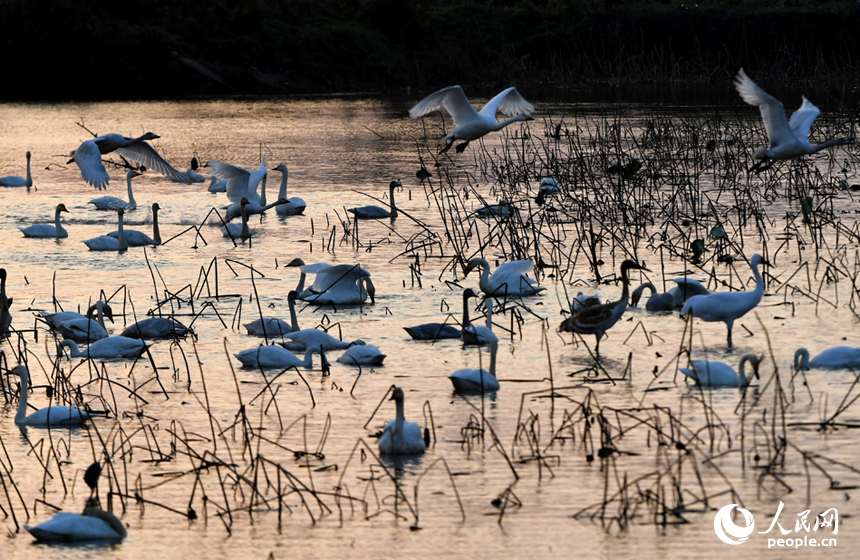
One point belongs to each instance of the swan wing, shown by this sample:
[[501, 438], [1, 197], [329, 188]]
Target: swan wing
[[237, 179], [508, 102], [772, 110], [143, 153], [72, 527], [89, 160], [452, 98], [801, 120]]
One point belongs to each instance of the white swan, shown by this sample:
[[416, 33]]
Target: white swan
[[477, 380], [838, 357], [377, 212], [112, 347], [581, 301], [438, 331], [305, 270], [727, 306], [85, 329], [54, 320], [216, 186], [106, 243], [598, 319], [47, 230], [155, 327], [342, 284], [470, 124], [5, 315], [315, 338], [362, 355], [88, 156], [548, 187], [786, 139], [137, 238], [400, 437], [277, 357], [501, 210], [191, 175], [114, 202], [94, 524], [673, 299], [58, 415], [240, 231], [296, 205], [272, 326], [15, 181], [480, 335], [508, 279], [718, 374], [241, 183]]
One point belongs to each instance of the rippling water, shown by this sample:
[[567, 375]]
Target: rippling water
[[337, 149]]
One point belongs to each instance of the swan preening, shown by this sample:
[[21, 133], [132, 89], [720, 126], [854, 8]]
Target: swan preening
[[838, 357], [597, 319], [673, 299], [154, 328], [509, 279], [88, 156], [718, 374], [477, 380], [137, 238], [786, 138], [377, 212], [57, 415], [342, 284], [54, 320], [107, 243], [727, 306], [470, 124], [113, 202], [15, 181], [400, 437], [110, 348], [295, 205], [278, 357], [85, 329], [47, 230], [315, 338], [362, 355]]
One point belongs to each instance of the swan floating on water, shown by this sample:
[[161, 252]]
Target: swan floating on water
[[46, 230], [107, 243], [54, 320], [718, 374], [478, 335], [113, 202], [477, 380], [671, 300], [400, 437], [84, 329], [838, 357], [239, 231], [274, 356], [470, 124], [362, 355], [342, 284], [509, 279], [296, 205], [377, 212], [727, 306], [15, 181], [137, 238], [57, 415], [88, 156], [786, 138], [112, 347], [155, 328]]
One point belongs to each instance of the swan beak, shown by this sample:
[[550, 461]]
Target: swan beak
[[71, 160], [528, 118]]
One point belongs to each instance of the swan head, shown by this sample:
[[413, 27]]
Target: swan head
[[62, 208], [20, 370], [66, 343], [469, 293], [293, 295], [282, 168], [194, 163], [132, 174], [296, 262], [152, 136], [155, 207], [358, 342], [474, 263], [756, 260], [629, 264], [244, 202], [28, 155], [394, 184], [396, 394]]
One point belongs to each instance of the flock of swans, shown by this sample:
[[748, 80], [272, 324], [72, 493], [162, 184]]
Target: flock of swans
[[346, 284]]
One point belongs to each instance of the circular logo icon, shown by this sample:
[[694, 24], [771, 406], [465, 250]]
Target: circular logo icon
[[726, 529]]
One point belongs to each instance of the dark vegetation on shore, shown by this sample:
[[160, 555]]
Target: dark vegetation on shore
[[140, 49]]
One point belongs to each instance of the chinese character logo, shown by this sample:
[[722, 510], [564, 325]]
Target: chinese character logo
[[726, 529]]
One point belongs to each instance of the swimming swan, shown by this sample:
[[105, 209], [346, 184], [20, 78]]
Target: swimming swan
[[84, 329], [137, 238], [673, 299], [106, 243], [718, 374], [377, 212], [342, 284], [216, 186], [296, 205], [400, 437], [154, 328], [479, 335], [54, 320], [477, 380], [470, 124], [727, 306], [598, 319], [15, 181], [362, 355], [786, 138], [315, 338], [47, 230], [112, 347], [838, 357], [240, 231], [508, 279], [88, 156], [277, 357], [57, 415], [113, 202], [438, 331]]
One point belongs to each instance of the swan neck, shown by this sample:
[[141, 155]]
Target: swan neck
[[743, 377], [493, 349], [801, 356], [123, 243], [393, 206], [301, 285], [282, 193], [156, 232], [246, 232], [130, 193], [57, 225], [99, 315], [263, 191], [511, 120], [294, 320], [489, 304], [29, 180], [21, 415], [466, 320], [399, 419]]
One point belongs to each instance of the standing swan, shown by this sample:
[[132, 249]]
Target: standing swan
[[786, 139], [470, 124], [47, 230], [509, 279], [105, 243], [58, 415], [400, 437], [727, 306], [88, 156], [598, 319], [718, 374], [377, 212], [137, 238], [15, 181], [114, 202], [296, 205], [838, 357]]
